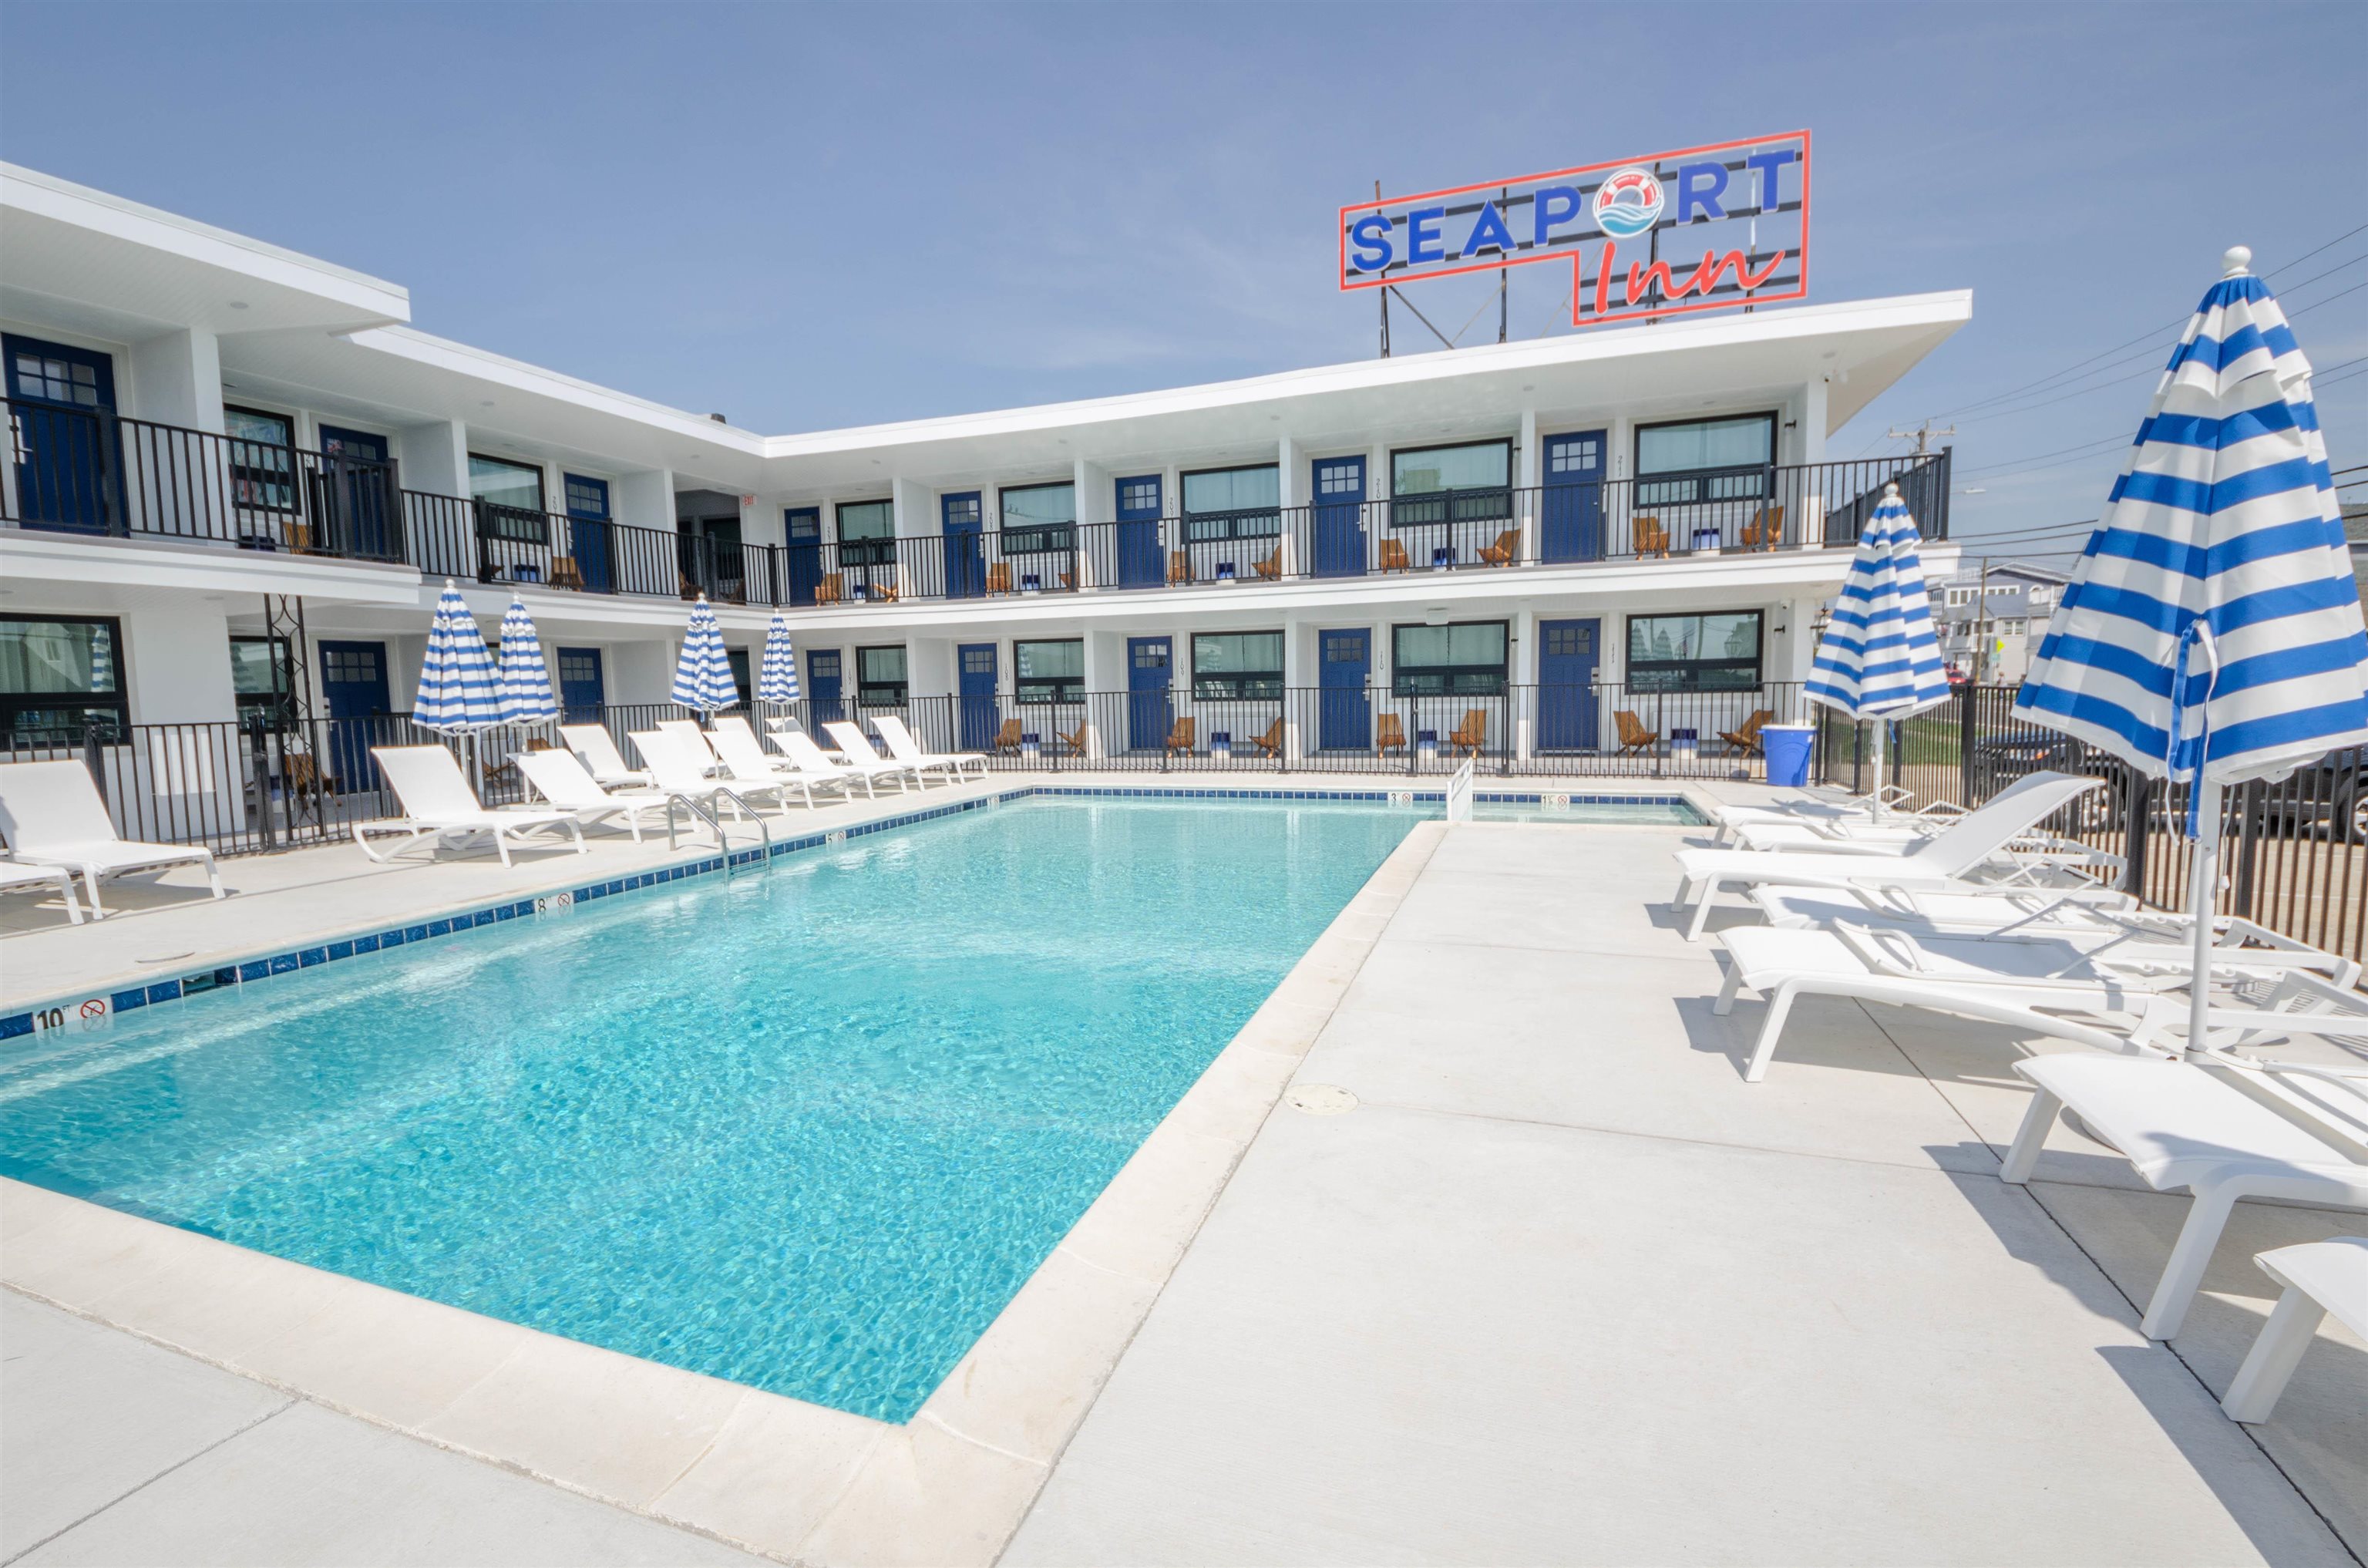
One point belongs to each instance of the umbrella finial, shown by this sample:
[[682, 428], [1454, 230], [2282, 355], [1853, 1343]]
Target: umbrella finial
[[1891, 492], [2237, 261]]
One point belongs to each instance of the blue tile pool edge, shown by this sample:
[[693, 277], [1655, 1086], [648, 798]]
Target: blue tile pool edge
[[97, 1009]]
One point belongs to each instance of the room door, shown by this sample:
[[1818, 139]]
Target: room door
[[1344, 669], [353, 685], [1572, 526], [1568, 652], [59, 402], [1150, 706], [964, 522], [1138, 532], [823, 670], [802, 527], [587, 531], [583, 689], [355, 499], [976, 665], [1339, 518]]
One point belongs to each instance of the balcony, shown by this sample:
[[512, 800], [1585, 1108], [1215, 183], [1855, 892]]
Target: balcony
[[95, 473]]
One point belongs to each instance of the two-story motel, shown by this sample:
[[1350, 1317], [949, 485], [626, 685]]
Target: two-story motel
[[234, 470]]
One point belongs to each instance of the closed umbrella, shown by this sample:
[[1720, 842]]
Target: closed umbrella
[[702, 676], [2211, 633], [459, 693], [1878, 658], [525, 679], [777, 679]]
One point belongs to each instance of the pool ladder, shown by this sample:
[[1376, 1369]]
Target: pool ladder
[[715, 823]]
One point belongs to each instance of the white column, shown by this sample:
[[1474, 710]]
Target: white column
[[177, 662], [1299, 672], [434, 457], [1097, 542], [644, 499], [917, 518], [1528, 476], [1291, 466], [177, 380], [1521, 665]]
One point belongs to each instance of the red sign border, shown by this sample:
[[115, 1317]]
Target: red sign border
[[1377, 204]]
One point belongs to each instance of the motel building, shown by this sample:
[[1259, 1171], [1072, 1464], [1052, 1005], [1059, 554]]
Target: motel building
[[238, 479]]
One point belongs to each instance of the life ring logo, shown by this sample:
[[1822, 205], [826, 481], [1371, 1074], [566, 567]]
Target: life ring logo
[[1629, 203]]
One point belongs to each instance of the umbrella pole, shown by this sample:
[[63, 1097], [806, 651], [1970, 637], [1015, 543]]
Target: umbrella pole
[[2204, 890], [1880, 727]]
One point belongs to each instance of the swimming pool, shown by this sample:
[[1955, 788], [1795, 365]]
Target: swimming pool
[[808, 1129]]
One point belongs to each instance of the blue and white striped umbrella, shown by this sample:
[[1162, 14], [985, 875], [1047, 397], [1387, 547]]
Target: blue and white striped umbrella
[[1878, 658], [525, 678], [2213, 621], [702, 678], [2212, 632], [777, 679], [459, 691]]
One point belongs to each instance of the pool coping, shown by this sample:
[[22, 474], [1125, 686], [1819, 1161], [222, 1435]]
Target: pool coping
[[98, 1004], [796, 1482]]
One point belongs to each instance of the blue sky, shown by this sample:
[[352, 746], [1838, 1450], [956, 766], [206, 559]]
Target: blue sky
[[806, 216]]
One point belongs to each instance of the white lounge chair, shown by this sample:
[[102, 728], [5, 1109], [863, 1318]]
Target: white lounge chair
[[2184, 1125], [439, 806], [2105, 992], [52, 815], [1929, 866], [903, 748], [561, 779], [681, 766], [597, 749], [2320, 1277], [858, 753], [815, 763], [694, 739], [746, 762], [15, 878], [1803, 809]]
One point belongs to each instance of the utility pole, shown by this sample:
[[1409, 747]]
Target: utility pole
[[1922, 436], [1982, 624]]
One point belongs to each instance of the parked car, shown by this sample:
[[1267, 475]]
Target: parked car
[[1999, 760], [2324, 797]]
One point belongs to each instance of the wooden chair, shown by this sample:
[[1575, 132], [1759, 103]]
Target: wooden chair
[[1636, 738], [1007, 739], [1745, 742], [879, 592], [1068, 581], [998, 577], [1179, 566], [1394, 559], [1502, 553], [1649, 536], [1076, 743], [831, 589], [1180, 739], [691, 590], [1471, 734], [565, 575], [1271, 743], [1389, 733], [1272, 567], [1766, 528]]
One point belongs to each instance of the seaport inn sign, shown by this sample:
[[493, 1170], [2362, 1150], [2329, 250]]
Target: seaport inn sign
[[1700, 229]]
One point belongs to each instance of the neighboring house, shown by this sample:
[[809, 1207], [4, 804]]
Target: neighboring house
[[1987, 627], [2355, 532]]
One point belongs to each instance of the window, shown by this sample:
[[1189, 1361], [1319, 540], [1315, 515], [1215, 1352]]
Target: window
[[1139, 497], [737, 658], [880, 677], [1694, 652], [587, 498], [1237, 664], [1459, 659], [1704, 459], [867, 533], [1232, 503], [62, 678], [1470, 482], [57, 379], [259, 677], [261, 469], [1040, 518], [1050, 672], [508, 497]]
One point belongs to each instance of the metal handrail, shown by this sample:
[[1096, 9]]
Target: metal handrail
[[1459, 793], [716, 824]]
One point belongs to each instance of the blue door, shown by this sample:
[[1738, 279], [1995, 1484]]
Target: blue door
[[583, 690], [356, 501], [965, 561], [1567, 654], [822, 685], [1339, 518], [353, 683], [1345, 715], [1572, 526], [60, 403], [1150, 708], [976, 661], [803, 528], [1138, 533], [587, 542]]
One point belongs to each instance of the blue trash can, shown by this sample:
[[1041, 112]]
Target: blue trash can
[[1787, 746]]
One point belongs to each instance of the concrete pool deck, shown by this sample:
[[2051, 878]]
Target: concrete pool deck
[[1557, 1287]]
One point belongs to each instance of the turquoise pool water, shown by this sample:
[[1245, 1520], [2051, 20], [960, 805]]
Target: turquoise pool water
[[808, 1129]]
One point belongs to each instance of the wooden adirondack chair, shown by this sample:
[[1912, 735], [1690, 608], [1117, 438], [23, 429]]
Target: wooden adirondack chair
[[1179, 566], [1393, 558], [1076, 743], [1389, 733], [1007, 739], [998, 577], [1180, 739], [831, 589], [1502, 553], [1766, 528], [1271, 743], [1636, 738], [1650, 538], [1272, 567], [1471, 734], [1745, 742]]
